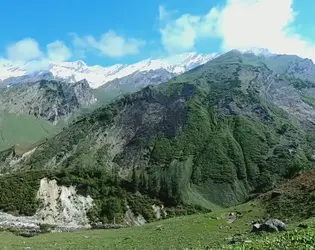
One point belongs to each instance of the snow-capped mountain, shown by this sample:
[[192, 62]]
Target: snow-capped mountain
[[9, 70], [98, 76]]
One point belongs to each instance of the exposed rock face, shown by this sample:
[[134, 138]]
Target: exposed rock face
[[50, 100], [62, 205], [138, 80], [302, 68], [159, 211], [132, 220], [65, 210], [82, 92], [33, 77]]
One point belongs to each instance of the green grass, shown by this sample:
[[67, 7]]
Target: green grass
[[198, 232], [175, 233], [296, 201], [20, 129], [294, 238]]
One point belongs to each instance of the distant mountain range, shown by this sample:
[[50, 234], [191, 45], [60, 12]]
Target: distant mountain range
[[33, 111], [70, 89], [47, 99], [217, 135], [98, 76]]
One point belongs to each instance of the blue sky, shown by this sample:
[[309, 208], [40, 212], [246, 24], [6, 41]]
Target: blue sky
[[107, 32]]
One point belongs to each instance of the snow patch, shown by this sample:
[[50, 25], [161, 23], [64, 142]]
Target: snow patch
[[98, 76]]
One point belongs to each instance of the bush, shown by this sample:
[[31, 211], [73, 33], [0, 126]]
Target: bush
[[18, 192]]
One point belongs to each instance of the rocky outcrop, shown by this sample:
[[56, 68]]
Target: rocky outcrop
[[159, 211], [47, 99], [138, 80], [62, 205], [63, 209], [32, 77], [134, 220]]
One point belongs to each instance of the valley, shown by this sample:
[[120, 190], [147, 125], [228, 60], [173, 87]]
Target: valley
[[65, 91], [180, 152]]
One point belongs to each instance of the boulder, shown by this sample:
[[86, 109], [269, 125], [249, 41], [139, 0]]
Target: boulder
[[275, 224], [272, 225], [27, 232], [231, 218]]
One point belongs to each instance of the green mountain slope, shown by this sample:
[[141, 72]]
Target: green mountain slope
[[27, 110], [211, 137], [47, 99], [23, 129]]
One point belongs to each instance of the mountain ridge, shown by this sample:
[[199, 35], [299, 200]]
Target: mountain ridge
[[228, 101], [49, 99], [214, 136], [98, 75]]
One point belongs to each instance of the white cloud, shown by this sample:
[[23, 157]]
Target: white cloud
[[162, 12], [260, 23], [79, 44], [240, 24], [165, 14], [58, 51], [24, 50], [109, 44], [36, 65], [182, 33], [3, 61], [27, 53]]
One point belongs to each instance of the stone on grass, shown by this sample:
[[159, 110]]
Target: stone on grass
[[272, 225]]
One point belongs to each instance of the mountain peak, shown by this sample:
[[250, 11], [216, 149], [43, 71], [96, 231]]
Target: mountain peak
[[80, 64], [257, 51], [98, 75]]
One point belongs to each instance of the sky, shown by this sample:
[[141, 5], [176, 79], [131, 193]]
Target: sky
[[107, 32]]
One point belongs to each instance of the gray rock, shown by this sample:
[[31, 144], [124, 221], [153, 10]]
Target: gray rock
[[231, 218], [275, 224], [30, 232], [47, 99], [272, 225], [138, 80], [256, 227]]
